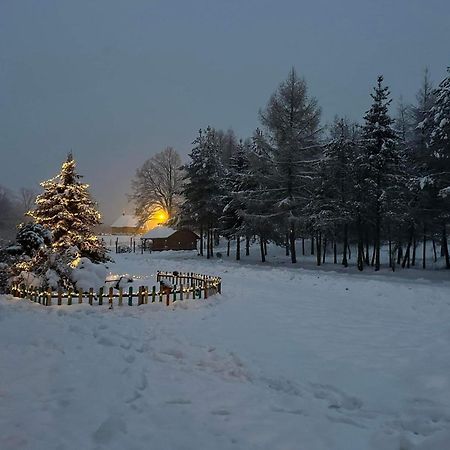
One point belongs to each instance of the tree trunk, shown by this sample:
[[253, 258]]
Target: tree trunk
[[406, 258], [211, 242], [366, 256], [265, 247], [344, 256], [292, 243], [390, 251], [303, 246], [324, 250], [238, 248], [399, 253], [424, 248], [434, 250], [247, 246], [445, 246], [201, 240], [261, 246], [318, 248], [287, 243], [360, 258], [372, 262], [312, 245], [208, 248], [334, 252], [228, 247], [413, 260], [378, 239]]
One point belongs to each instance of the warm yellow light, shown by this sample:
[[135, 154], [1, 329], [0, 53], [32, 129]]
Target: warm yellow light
[[161, 216]]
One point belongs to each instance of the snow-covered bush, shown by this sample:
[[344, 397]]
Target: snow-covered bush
[[7, 258], [85, 274], [32, 237]]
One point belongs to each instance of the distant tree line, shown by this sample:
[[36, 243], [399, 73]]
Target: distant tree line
[[382, 183], [13, 206]]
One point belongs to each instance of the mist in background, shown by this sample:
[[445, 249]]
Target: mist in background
[[117, 82]]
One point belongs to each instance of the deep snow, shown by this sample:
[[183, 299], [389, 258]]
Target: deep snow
[[286, 358]]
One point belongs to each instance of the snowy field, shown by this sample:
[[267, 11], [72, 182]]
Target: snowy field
[[286, 358]]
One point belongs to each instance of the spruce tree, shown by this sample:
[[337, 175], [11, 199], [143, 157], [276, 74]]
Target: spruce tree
[[204, 188], [231, 219], [67, 210], [381, 163], [438, 123], [291, 119], [332, 206]]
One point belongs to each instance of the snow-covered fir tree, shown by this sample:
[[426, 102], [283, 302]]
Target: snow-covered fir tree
[[332, 209], [291, 120], [235, 183], [381, 162], [68, 211], [259, 218], [204, 190], [438, 177]]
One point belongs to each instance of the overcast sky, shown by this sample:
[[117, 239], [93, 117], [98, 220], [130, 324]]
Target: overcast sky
[[118, 80]]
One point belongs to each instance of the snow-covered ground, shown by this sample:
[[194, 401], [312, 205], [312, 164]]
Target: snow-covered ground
[[286, 358]]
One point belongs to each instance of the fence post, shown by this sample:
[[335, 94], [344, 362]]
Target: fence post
[[146, 295], [110, 296], [120, 296], [174, 294], [160, 294], [59, 297], [153, 293], [140, 295], [91, 296], [49, 297], [100, 296], [69, 297], [206, 290], [168, 298], [181, 292], [219, 287], [80, 296], [130, 296]]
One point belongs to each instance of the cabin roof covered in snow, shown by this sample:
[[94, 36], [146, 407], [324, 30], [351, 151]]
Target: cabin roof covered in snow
[[159, 232], [125, 220]]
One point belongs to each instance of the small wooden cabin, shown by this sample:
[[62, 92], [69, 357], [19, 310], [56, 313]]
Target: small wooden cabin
[[164, 238]]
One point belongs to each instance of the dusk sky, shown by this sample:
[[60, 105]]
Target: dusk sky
[[117, 81]]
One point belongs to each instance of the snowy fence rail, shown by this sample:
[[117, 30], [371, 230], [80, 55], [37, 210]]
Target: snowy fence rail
[[184, 286]]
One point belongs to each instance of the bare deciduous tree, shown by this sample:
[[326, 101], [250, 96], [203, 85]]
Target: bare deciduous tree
[[157, 185], [27, 198]]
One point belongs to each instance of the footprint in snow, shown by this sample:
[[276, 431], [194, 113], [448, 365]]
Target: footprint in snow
[[336, 399], [178, 401], [109, 430], [220, 412], [129, 358], [107, 342]]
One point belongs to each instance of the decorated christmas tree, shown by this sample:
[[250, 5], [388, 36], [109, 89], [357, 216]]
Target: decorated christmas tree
[[68, 211]]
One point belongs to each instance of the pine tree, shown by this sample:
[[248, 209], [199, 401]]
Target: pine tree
[[204, 188], [291, 119], [438, 124], [231, 220], [381, 163], [67, 210], [332, 207]]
